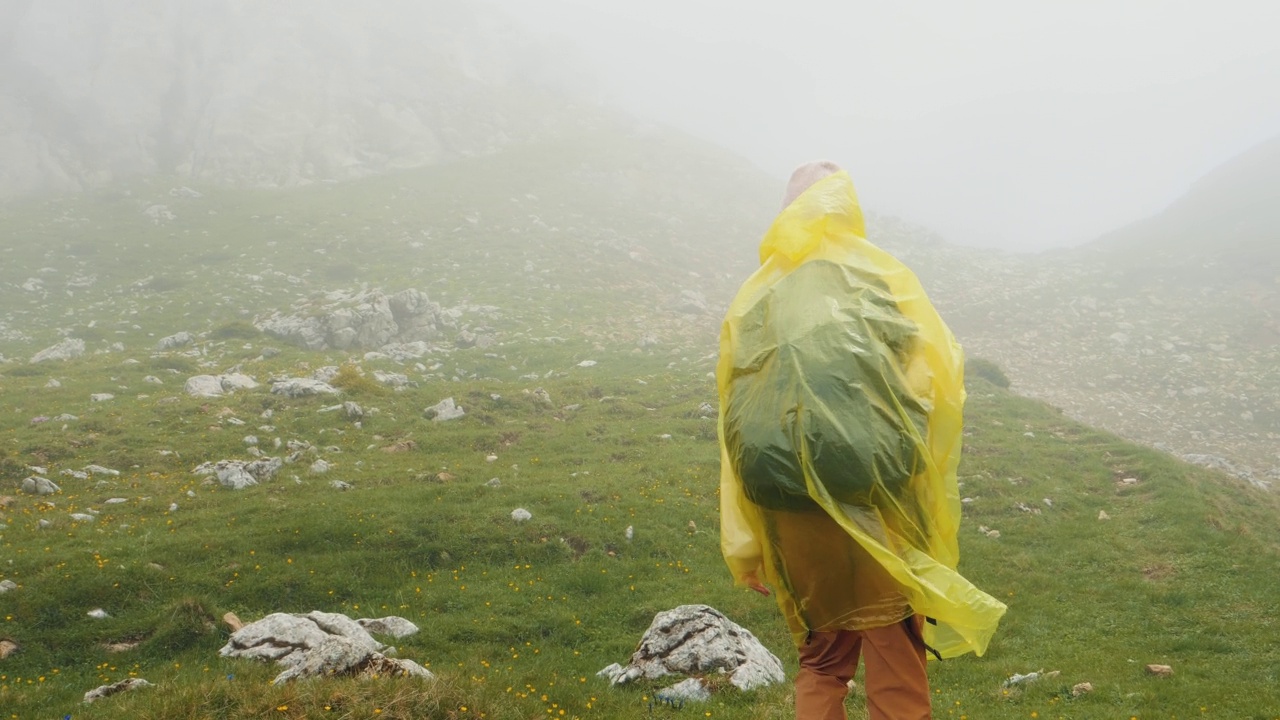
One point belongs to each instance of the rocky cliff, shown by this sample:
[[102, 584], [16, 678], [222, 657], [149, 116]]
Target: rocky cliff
[[264, 94]]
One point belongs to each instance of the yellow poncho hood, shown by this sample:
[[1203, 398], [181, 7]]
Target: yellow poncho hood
[[845, 558]]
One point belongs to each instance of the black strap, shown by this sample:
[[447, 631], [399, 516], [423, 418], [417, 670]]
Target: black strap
[[915, 636]]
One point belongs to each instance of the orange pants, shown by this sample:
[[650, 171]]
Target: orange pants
[[897, 685]]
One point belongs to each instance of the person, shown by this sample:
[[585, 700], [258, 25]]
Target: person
[[841, 394]]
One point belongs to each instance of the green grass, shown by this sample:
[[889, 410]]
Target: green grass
[[517, 618], [511, 613]]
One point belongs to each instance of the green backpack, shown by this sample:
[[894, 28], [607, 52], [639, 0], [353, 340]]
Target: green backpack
[[818, 381]]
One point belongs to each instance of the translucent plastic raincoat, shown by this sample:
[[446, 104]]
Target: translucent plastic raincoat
[[841, 393]]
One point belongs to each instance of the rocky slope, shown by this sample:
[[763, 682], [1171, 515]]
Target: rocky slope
[[263, 94]]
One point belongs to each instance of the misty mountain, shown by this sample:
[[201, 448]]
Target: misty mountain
[[264, 94], [1166, 331], [1224, 228]]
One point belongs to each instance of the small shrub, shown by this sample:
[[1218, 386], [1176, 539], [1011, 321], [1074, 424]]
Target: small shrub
[[235, 330], [987, 370], [351, 379]]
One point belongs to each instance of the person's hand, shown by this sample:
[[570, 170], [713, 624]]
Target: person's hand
[[752, 582]]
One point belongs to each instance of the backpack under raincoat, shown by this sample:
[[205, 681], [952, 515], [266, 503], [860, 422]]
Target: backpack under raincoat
[[841, 397]]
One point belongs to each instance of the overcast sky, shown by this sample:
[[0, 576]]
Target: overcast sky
[[1001, 123]]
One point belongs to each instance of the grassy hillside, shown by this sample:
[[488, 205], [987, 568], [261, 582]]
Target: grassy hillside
[[565, 252], [517, 618]]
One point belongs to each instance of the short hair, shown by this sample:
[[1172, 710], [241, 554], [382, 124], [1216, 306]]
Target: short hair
[[805, 176]]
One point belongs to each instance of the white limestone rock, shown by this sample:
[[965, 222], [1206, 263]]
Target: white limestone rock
[[39, 486], [444, 410], [393, 625], [66, 350], [175, 341], [696, 640], [302, 387], [123, 686]]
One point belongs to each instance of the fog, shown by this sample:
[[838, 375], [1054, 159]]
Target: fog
[[999, 123], [996, 123]]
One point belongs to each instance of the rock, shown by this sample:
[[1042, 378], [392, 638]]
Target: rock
[[520, 515], [44, 523], [396, 627], [340, 485], [66, 350], [39, 486], [352, 410], [53, 384], [7, 585], [8, 648], [152, 380], [319, 467], [232, 382], [316, 644], [443, 411], [1081, 688], [587, 363], [1030, 677], [395, 380], [706, 410], [301, 387], [100, 470], [101, 397], [493, 483], [203, 386], [696, 640], [1102, 515], [232, 621], [98, 614], [688, 690], [115, 501], [82, 517], [543, 397], [175, 341], [119, 687], [367, 319], [238, 474], [1159, 670]]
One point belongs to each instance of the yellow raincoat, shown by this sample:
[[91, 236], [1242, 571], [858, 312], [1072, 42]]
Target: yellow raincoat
[[849, 505]]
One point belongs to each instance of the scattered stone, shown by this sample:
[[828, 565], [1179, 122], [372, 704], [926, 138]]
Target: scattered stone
[[238, 474], [543, 397], [119, 687], [320, 467], [53, 384], [352, 410], [443, 411], [7, 585], [101, 397], [82, 517], [695, 640], [520, 515], [119, 647], [115, 501], [39, 486], [340, 485], [395, 380], [493, 483], [175, 341], [706, 410], [587, 363], [396, 627], [688, 690], [1159, 670], [44, 523], [629, 533], [98, 614], [491, 458], [316, 644], [8, 648], [369, 319], [1081, 688], [302, 387], [66, 350], [1102, 515]]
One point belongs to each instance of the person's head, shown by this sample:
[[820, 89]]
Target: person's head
[[805, 176]]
